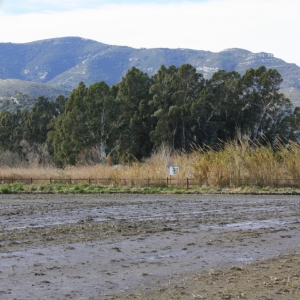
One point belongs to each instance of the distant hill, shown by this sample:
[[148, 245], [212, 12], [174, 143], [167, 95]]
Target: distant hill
[[64, 62], [8, 87], [18, 94], [293, 94], [17, 101]]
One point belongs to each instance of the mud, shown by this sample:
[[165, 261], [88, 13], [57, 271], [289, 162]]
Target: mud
[[149, 247]]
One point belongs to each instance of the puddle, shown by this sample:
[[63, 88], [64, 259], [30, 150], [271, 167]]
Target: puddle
[[158, 257], [247, 225], [244, 259]]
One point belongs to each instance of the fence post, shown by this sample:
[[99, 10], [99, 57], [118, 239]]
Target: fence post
[[187, 182], [89, 180], [50, 180], [70, 181], [167, 181], [30, 180]]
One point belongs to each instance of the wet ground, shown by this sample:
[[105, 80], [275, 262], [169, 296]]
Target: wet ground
[[149, 247]]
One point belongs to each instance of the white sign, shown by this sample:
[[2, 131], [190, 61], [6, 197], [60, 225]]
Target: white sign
[[174, 170]]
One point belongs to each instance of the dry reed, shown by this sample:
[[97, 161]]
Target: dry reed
[[236, 163]]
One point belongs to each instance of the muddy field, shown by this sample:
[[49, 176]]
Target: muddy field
[[149, 247]]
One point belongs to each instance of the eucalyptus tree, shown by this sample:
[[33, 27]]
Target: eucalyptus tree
[[136, 122], [86, 124], [174, 90], [290, 128], [218, 109], [266, 106], [162, 90], [189, 85], [11, 132], [35, 127]]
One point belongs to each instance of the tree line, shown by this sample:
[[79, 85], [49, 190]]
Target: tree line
[[176, 107]]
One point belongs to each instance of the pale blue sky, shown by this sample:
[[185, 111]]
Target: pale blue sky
[[29, 6], [256, 25]]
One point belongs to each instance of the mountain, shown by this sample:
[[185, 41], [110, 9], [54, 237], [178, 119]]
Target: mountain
[[35, 89], [64, 62], [16, 101], [293, 94], [18, 94]]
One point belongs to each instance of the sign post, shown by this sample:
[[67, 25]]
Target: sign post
[[174, 170]]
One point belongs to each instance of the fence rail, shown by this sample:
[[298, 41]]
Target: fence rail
[[148, 182], [161, 182]]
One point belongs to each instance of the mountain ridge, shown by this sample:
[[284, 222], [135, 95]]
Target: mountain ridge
[[63, 62]]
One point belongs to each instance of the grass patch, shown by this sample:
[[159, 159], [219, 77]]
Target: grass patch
[[5, 189], [17, 188]]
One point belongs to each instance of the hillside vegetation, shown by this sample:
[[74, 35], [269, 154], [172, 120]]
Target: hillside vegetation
[[10, 87], [17, 94]]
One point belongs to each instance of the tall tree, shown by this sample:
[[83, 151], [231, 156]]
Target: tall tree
[[36, 122], [174, 91], [136, 121], [189, 83], [11, 133], [86, 124], [219, 108], [266, 106], [162, 90]]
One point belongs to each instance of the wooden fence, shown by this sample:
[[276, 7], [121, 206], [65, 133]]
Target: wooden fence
[[161, 182], [148, 182]]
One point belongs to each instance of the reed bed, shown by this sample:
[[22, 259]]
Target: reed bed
[[241, 163], [233, 164]]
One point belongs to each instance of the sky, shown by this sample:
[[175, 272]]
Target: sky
[[270, 26]]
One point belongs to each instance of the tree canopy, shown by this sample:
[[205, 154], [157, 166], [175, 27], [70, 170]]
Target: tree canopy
[[177, 107]]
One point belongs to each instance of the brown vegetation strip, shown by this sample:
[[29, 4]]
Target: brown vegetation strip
[[234, 164]]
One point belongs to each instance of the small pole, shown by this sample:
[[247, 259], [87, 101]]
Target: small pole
[[167, 181], [70, 180], [30, 180], [50, 180], [187, 182], [89, 180]]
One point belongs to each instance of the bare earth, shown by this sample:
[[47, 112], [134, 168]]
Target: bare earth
[[149, 247]]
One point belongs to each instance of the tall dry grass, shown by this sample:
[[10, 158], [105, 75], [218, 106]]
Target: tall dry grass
[[236, 163], [244, 162]]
